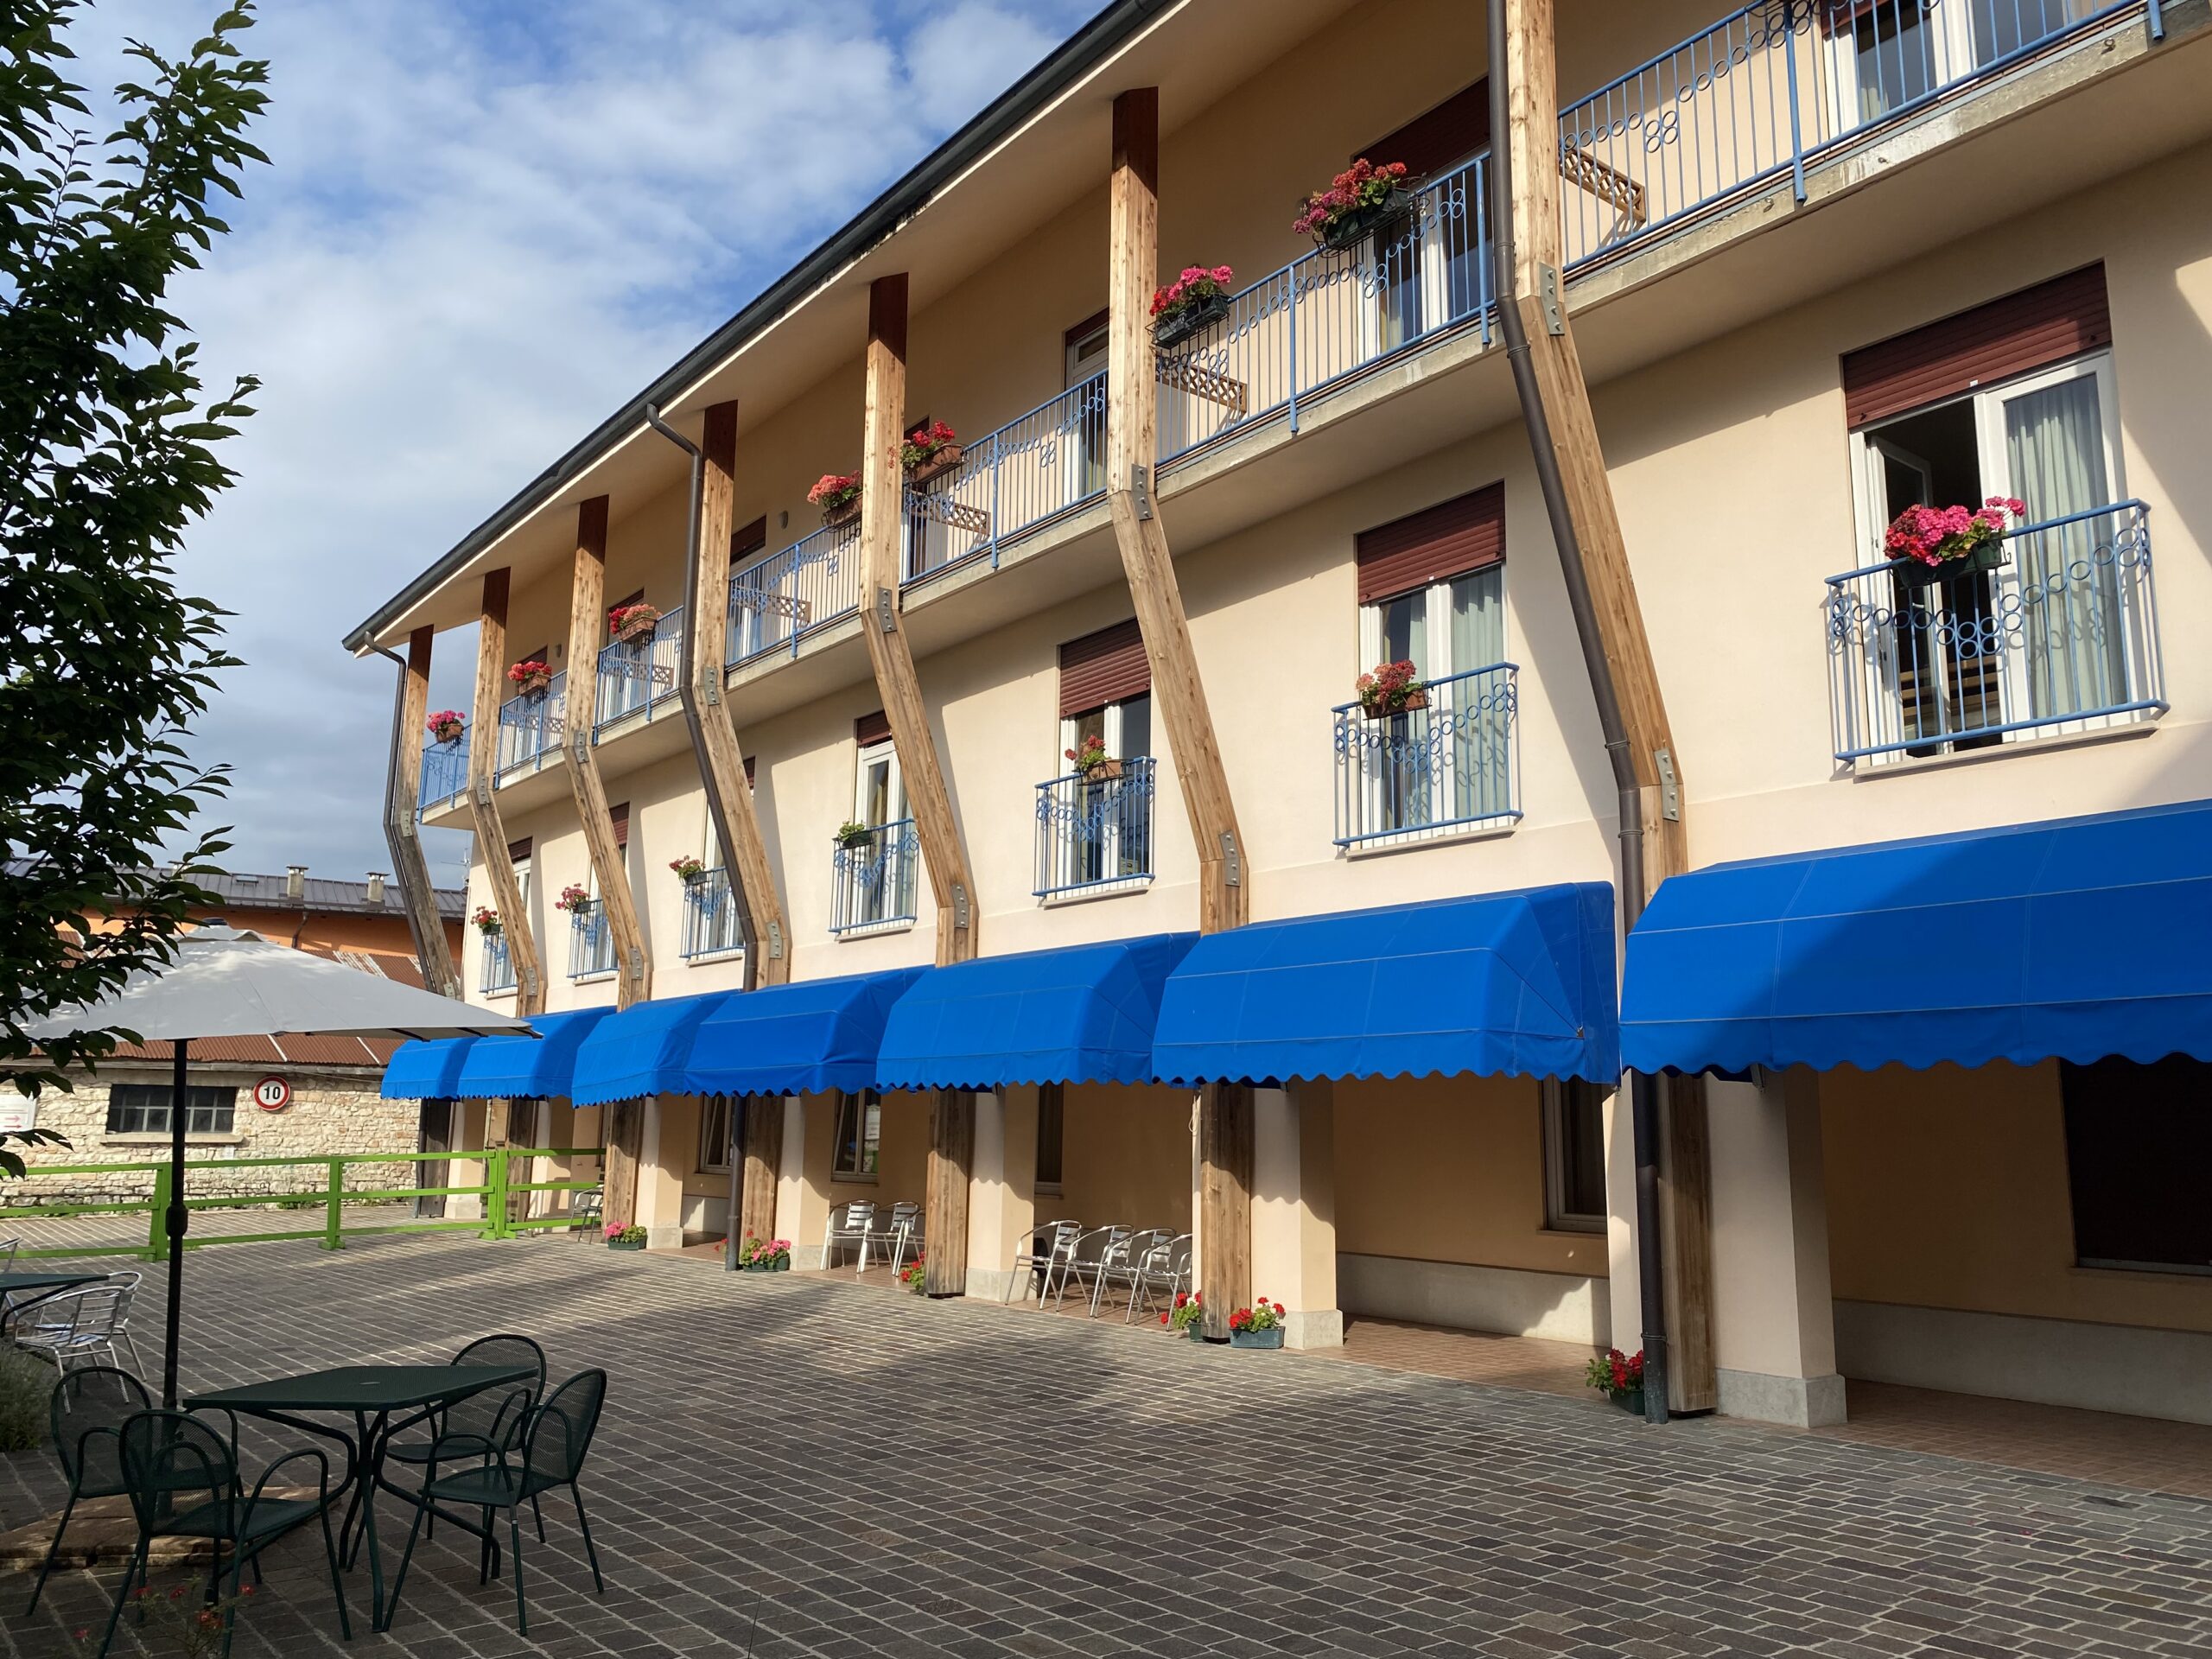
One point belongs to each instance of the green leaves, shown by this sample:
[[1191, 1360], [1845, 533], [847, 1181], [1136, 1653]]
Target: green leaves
[[107, 458]]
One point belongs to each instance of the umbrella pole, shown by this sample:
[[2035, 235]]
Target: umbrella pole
[[178, 1113]]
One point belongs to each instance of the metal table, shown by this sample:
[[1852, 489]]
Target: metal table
[[38, 1286], [370, 1395]]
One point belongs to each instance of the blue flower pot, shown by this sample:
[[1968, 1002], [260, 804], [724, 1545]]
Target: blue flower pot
[[1271, 1338]]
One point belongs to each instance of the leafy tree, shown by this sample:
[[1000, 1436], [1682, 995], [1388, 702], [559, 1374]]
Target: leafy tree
[[107, 456]]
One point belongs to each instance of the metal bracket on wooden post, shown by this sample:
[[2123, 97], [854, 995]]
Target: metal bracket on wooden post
[[959, 907], [480, 790], [637, 962], [1233, 875], [775, 940], [1670, 791], [887, 611], [580, 746], [1140, 489], [1547, 296], [710, 687]]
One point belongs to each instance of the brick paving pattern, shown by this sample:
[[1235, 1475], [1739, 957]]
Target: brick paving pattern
[[792, 1466]]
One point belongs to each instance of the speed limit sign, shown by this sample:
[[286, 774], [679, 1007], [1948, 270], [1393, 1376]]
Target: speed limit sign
[[272, 1094]]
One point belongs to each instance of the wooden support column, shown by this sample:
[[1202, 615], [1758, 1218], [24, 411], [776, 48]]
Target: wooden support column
[[1224, 1129], [483, 804], [1540, 297], [729, 798], [402, 836], [633, 980], [761, 1159], [622, 1136]]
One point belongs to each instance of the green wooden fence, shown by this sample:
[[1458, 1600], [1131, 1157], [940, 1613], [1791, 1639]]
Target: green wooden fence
[[501, 1166]]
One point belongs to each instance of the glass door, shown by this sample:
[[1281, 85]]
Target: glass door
[[1086, 357], [880, 869]]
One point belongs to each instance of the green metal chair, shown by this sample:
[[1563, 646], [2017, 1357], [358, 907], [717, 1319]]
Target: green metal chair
[[552, 1454], [86, 1415], [183, 1481], [478, 1429]]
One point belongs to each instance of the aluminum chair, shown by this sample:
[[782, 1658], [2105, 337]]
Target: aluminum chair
[[848, 1224], [86, 1327], [1040, 1252], [1117, 1268], [1166, 1268], [1088, 1259], [888, 1233]]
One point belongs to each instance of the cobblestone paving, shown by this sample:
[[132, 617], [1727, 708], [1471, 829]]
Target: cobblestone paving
[[791, 1466]]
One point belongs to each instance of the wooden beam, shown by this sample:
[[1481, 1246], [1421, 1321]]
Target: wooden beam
[[1540, 297], [729, 798], [1132, 419], [944, 1220], [484, 803], [623, 1135], [410, 868], [1225, 1195], [634, 973], [883, 490], [762, 1158]]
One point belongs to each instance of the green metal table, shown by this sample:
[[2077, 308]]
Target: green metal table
[[370, 1395], [36, 1287]]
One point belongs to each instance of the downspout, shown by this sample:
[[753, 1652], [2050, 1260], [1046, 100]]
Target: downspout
[[1643, 1090], [695, 715], [400, 838]]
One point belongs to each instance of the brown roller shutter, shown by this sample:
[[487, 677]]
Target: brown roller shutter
[[2032, 329], [618, 815], [1453, 131], [872, 729], [750, 540], [518, 850], [748, 770], [1107, 667], [1449, 539]]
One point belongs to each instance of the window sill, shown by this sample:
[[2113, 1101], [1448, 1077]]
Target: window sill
[[838, 1179], [599, 978], [1450, 835], [705, 958], [876, 930], [1114, 889], [1050, 1190], [499, 990], [1873, 767], [233, 1139]]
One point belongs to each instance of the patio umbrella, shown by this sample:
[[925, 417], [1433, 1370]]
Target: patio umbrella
[[227, 982]]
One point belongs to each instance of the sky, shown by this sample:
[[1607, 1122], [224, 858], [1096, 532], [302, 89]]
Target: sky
[[484, 225]]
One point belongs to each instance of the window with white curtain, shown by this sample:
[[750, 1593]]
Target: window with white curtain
[[1450, 764]]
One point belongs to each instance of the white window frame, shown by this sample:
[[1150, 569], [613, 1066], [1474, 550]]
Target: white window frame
[[708, 852], [870, 1105], [1436, 629], [888, 899], [1079, 365], [1066, 873], [712, 1107], [1558, 1218], [597, 975]]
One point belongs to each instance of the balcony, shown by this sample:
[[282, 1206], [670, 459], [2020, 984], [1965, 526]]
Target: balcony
[[711, 930], [873, 879], [1448, 768], [776, 602], [445, 774], [498, 972], [530, 728], [591, 942], [1024, 475], [639, 677], [1094, 834], [2060, 640]]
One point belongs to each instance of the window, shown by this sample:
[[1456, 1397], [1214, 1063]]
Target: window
[[860, 1135], [1086, 359], [1429, 274], [1052, 1121], [1884, 54], [715, 1125], [1574, 1155], [143, 1108], [2136, 1141], [875, 872], [1097, 829]]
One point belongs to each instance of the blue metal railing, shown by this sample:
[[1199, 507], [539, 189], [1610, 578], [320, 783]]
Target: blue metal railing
[[498, 972], [1768, 89], [1029, 472], [445, 773], [776, 602], [1331, 314], [1094, 833], [709, 917], [636, 674], [529, 725], [1449, 765], [2061, 638], [591, 941], [874, 878]]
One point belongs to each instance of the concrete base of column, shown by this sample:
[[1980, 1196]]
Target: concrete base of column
[[1800, 1402], [1319, 1328]]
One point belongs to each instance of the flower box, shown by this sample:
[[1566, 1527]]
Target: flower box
[[1104, 772], [845, 513], [636, 628], [1384, 711], [626, 1243], [1915, 573], [1629, 1400], [783, 1265], [1270, 1337], [1350, 229], [449, 732], [1193, 317], [942, 459]]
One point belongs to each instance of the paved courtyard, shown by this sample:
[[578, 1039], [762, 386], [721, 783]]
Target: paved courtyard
[[793, 1466]]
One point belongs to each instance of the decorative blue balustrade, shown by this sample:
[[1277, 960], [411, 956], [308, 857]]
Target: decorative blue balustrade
[[1094, 833], [2063, 638], [1331, 314], [1030, 471], [497, 972], [873, 879], [591, 941], [710, 917], [635, 674], [1767, 90], [529, 725], [445, 773], [1451, 764], [776, 602]]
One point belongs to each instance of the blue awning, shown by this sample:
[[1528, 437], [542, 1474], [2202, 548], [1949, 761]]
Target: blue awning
[[1084, 1013], [644, 1050], [427, 1071], [519, 1068], [1518, 982], [2072, 939], [808, 1037]]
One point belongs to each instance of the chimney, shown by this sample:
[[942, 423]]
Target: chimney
[[375, 886], [295, 880]]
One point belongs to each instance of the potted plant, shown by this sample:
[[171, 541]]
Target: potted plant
[[1932, 544], [447, 726], [1257, 1326], [488, 922], [929, 451], [1389, 689], [622, 1238], [689, 870], [574, 899], [1187, 1318], [1619, 1377], [1360, 201], [1193, 301], [838, 495], [915, 1277], [851, 836], [529, 677], [1092, 762], [629, 623], [765, 1255]]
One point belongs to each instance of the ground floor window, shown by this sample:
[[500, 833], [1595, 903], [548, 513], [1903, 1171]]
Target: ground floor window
[[715, 1133], [1574, 1155], [860, 1135], [2137, 1142], [143, 1108], [1052, 1118]]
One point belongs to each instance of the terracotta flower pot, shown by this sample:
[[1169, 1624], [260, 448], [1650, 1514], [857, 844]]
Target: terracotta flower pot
[[1105, 772], [847, 513], [451, 733], [530, 685], [943, 460]]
